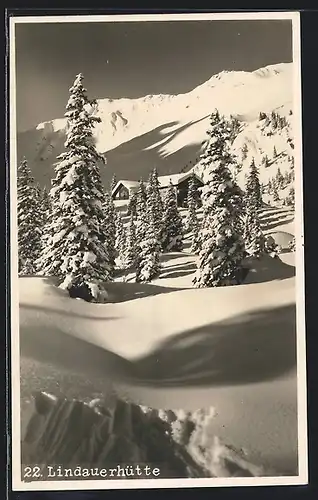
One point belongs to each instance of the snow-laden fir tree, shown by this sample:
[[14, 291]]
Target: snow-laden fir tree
[[275, 191], [131, 244], [265, 161], [172, 228], [244, 151], [253, 236], [253, 188], [110, 229], [222, 247], [279, 179], [29, 221], [148, 255], [120, 242], [77, 246], [290, 199], [154, 201]]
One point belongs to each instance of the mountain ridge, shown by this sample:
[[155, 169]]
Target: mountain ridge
[[167, 131]]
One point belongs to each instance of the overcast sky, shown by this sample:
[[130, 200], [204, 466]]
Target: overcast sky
[[135, 59]]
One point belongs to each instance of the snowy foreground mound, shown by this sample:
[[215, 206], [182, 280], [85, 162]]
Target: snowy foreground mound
[[232, 349], [168, 130]]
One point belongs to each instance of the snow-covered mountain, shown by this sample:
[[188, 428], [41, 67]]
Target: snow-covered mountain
[[167, 131]]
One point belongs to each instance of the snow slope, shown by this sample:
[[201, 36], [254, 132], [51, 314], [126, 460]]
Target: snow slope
[[168, 130]]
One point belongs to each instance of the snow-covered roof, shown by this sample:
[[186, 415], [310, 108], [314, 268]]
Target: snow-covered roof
[[164, 180], [130, 185]]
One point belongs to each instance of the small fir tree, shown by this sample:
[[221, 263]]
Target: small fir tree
[[274, 152], [253, 235], [29, 221], [253, 186], [275, 193], [244, 151], [265, 161], [274, 120], [291, 198], [148, 256], [154, 201], [76, 249], [279, 179], [172, 230]]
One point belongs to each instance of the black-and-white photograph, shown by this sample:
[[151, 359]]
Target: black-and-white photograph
[[157, 268]]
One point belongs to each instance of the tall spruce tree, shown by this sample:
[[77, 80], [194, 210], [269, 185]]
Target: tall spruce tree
[[76, 250], [154, 201], [148, 256], [172, 229], [29, 221], [253, 186], [253, 235], [222, 247]]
